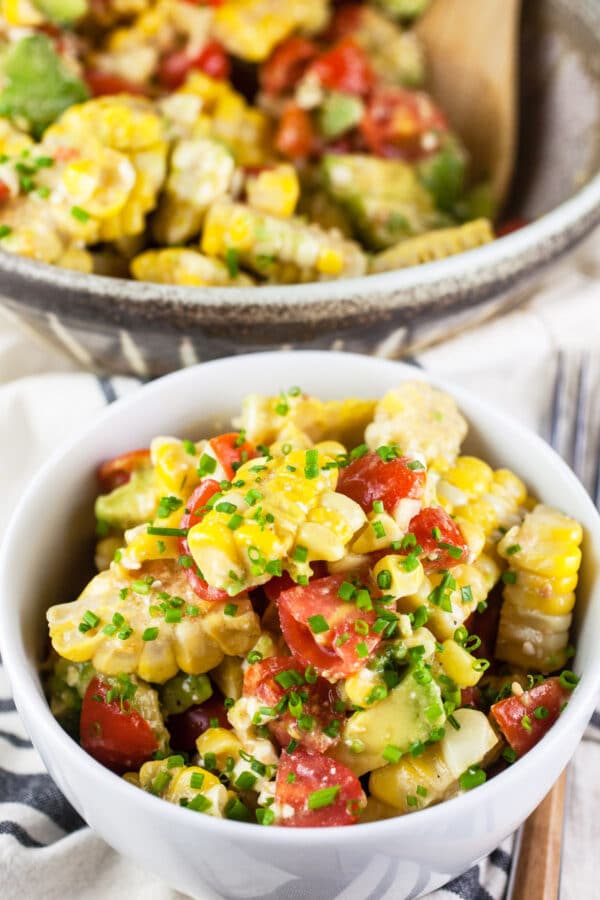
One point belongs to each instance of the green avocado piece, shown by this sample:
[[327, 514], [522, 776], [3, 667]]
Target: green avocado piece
[[405, 717], [129, 504], [339, 113], [38, 86], [404, 9], [66, 686], [62, 11], [444, 175], [183, 691]]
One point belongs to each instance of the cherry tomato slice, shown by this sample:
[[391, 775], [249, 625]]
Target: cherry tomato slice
[[4, 191], [318, 703], [396, 120], [511, 225], [321, 791], [196, 511], [442, 548], [517, 719], [346, 21], [279, 583], [471, 696], [175, 67], [286, 65], [232, 451], [185, 727], [115, 472], [370, 478], [344, 68], [114, 734], [102, 84], [341, 649], [295, 137]]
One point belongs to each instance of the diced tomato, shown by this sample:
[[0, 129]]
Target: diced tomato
[[279, 583], [471, 696], [114, 733], [344, 68], [4, 191], [344, 647], [370, 478], [175, 67], [318, 699], [195, 513], [105, 83], [286, 65], [346, 21], [517, 719], [301, 777], [443, 552], [185, 727], [396, 120], [295, 137], [511, 225], [118, 471], [231, 451]]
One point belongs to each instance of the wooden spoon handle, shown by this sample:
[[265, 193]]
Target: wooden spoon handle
[[537, 875]]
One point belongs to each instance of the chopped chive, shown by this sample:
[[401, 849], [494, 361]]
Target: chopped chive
[[323, 797]]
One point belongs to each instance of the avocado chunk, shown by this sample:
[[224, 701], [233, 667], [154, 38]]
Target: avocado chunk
[[408, 715], [444, 175], [62, 11], [38, 86], [383, 198], [404, 9], [183, 691], [66, 686], [129, 504]]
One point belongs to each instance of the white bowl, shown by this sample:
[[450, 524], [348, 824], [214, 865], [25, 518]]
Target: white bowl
[[42, 563]]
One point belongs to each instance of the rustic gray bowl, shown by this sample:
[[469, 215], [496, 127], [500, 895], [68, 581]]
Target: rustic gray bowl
[[147, 329]]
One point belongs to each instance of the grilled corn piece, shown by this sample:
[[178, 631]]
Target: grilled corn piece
[[252, 28], [200, 171], [107, 624], [449, 598], [191, 786], [421, 420], [188, 267], [275, 191], [433, 245], [278, 248], [264, 418], [539, 593], [285, 516]]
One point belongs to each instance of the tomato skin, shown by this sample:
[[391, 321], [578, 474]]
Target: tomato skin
[[313, 772], [320, 597], [115, 472], [122, 740], [370, 478], [346, 21], [195, 506], [280, 583], [295, 137], [511, 225], [396, 120], [229, 454], [259, 681], [471, 696], [4, 191], [286, 65], [103, 84], [175, 67], [344, 68], [509, 713], [185, 727], [436, 557]]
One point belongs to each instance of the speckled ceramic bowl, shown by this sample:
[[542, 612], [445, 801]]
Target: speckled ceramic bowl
[[147, 329]]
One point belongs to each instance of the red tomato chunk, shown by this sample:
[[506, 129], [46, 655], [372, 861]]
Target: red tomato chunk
[[115, 472], [524, 720], [320, 791], [370, 478], [185, 727], [440, 537]]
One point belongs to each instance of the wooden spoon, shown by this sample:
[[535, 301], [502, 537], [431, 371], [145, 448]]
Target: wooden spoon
[[472, 59], [536, 870]]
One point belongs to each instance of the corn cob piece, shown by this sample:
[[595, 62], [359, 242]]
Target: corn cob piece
[[421, 420], [274, 191], [187, 267], [191, 786], [432, 245], [449, 598], [263, 418], [119, 159], [383, 198], [252, 28], [107, 623], [285, 516], [416, 782], [200, 171], [277, 248], [539, 592]]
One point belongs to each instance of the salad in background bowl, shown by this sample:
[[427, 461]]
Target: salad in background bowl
[[208, 843]]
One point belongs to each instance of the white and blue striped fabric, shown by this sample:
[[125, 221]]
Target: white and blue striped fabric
[[46, 851]]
